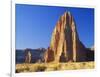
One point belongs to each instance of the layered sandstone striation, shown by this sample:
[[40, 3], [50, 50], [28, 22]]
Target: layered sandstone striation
[[65, 45]]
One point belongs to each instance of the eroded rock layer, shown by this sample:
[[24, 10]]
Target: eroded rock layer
[[65, 44]]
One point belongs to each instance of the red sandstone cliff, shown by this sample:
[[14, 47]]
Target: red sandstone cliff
[[65, 44]]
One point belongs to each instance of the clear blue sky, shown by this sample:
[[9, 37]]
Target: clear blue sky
[[35, 24]]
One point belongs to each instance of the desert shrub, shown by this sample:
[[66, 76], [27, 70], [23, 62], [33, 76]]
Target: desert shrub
[[22, 70], [40, 68]]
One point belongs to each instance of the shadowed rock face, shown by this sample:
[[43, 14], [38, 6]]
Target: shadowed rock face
[[65, 44]]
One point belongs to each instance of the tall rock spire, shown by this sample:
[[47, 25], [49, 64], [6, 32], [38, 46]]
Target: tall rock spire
[[65, 44]]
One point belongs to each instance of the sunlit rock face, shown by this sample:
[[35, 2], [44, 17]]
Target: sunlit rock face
[[65, 45]]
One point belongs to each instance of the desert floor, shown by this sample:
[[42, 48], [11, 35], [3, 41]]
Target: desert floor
[[39, 67]]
